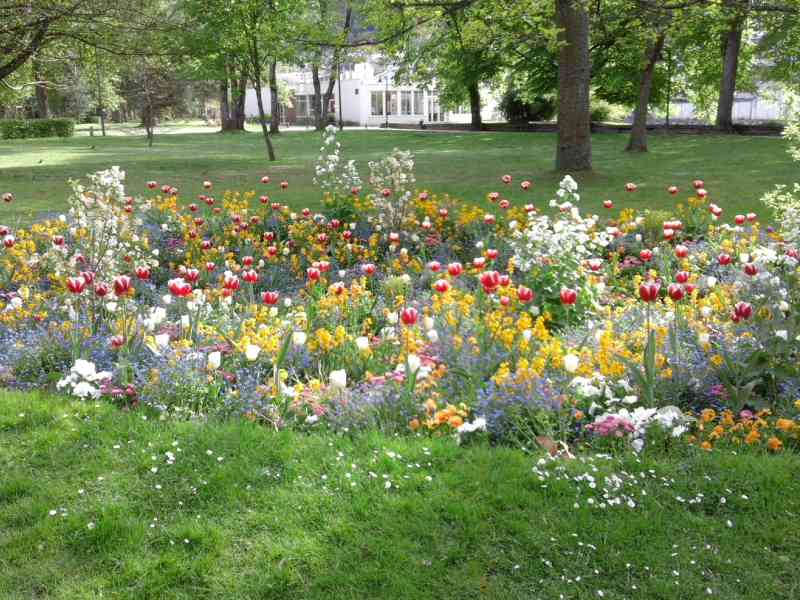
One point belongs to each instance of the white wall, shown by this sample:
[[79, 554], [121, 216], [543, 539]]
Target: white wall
[[251, 102]]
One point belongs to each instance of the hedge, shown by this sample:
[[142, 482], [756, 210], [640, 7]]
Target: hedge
[[11, 129]]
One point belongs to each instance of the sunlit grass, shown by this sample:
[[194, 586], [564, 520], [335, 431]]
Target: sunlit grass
[[737, 170]]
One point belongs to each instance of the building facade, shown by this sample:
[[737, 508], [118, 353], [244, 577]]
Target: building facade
[[370, 97]]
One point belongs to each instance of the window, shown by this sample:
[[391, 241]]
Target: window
[[302, 105], [391, 103], [405, 103], [377, 103], [419, 103]]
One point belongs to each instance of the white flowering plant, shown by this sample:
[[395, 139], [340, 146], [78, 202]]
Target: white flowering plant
[[552, 251], [84, 380], [785, 200], [392, 179], [338, 179]]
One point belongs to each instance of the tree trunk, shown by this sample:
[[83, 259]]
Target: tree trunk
[[323, 100], [731, 45], [240, 93], [275, 105], [255, 65], [317, 96], [574, 146], [224, 107], [638, 139], [42, 103], [475, 106], [326, 99]]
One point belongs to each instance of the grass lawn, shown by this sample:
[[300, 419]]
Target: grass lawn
[[737, 170], [95, 503]]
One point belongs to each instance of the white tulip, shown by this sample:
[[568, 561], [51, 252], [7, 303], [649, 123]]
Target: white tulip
[[162, 340], [339, 379], [299, 338], [362, 343], [428, 323], [433, 336], [252, 351], [214, 360], [414, 362], [571, 362]]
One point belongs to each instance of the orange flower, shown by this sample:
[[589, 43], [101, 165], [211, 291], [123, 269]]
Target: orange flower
[[414, 424], [785, 424], [706, 445], [774, 444], [708, 415], [752, 437], [578, 415], [455, 421]]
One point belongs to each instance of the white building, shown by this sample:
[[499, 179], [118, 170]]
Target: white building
[[369, 98]]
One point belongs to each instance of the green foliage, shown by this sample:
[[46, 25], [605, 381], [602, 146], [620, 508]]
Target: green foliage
[[44, 363], [517, 109], [17, 129]]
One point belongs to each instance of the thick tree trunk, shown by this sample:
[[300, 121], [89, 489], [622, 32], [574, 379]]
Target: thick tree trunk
[[275, 105], [42, 103], [255, 66], [638, 140], [731, 45], [475, 106], [574, 146]]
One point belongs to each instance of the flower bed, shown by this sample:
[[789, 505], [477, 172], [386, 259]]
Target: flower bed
[[399, 309]]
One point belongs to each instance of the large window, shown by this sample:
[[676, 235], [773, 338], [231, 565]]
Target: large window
[[377, 103], [405, 103], [419, 103], [391, 103]]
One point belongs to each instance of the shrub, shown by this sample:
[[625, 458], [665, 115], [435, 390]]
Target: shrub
[[517, 110], [12, 129]]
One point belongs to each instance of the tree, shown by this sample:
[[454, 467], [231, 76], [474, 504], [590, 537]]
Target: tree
[[731, 46], [638, 138], [574, 145], [326, 29], [275, 105], [28, 27], [150, 85], [451, 54]]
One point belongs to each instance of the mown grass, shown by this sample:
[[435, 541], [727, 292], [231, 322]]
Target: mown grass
[[249, 513], [737, 170]]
